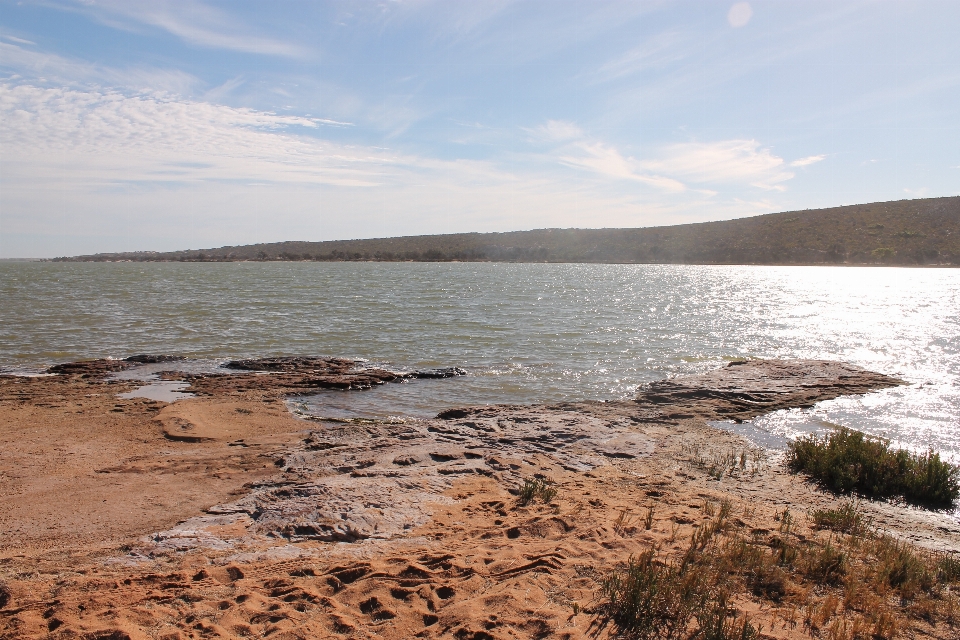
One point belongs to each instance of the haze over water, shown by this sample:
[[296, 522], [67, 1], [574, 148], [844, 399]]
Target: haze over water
[[524, 332]]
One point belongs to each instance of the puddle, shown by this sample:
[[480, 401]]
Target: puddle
[[161, 390], [421, 399], [148, 372]]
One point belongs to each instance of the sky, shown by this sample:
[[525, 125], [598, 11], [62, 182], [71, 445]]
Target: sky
[[139, 126]]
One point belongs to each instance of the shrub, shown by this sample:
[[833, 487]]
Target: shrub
[[847, 461]]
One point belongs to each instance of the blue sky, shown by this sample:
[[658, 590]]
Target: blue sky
[[171, 125]]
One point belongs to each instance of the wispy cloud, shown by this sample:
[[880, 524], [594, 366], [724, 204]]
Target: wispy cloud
[[54, 69], [17, 40], [196, 23], [672, 168], [657, 51], [109, 138], [557, 131]]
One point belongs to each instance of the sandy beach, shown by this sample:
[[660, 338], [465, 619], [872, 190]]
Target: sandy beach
[[223, 515]]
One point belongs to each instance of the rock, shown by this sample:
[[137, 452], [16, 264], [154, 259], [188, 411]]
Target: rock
[[382, 480], [90, 368], [144, 358], [746, 389], [447, 372], [299, 364]]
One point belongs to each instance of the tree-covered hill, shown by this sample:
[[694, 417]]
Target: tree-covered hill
[[906, 232]]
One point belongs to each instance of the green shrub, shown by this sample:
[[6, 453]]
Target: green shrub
[[847, 461]]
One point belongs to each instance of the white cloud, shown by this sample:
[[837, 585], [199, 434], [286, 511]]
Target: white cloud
[[607, 161], [803, 162], [739, 14], [725, 161], [558, 131], [673, 168], [103, 138], [104, 164], [155, 171]]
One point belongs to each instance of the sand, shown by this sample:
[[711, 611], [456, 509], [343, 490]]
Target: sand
[[224, 516]]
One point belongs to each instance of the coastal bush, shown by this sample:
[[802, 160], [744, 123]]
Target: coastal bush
[[847, 461]]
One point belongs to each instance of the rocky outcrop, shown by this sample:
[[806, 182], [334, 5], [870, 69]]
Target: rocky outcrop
[[349, 482], [749, 388]]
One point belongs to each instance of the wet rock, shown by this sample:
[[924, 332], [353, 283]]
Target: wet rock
[[447, 372], [91, 368], [145, 358], [294, 364]]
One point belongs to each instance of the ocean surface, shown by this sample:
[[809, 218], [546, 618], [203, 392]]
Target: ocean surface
[[525, 332]]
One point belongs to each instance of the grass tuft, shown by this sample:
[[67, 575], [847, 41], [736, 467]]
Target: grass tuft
[[847, 461], [533, 488], [847, 518]]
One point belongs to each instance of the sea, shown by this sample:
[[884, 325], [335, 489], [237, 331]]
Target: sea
[[525, 333]]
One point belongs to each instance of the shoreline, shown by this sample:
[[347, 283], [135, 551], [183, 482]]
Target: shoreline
[[226, 493]]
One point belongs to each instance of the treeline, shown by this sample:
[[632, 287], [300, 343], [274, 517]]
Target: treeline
[[906, 232]]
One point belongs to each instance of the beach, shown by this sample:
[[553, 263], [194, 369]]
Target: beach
[[224, 514]]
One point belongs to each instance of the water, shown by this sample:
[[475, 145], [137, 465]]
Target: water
[[526, 332], [162, 390]]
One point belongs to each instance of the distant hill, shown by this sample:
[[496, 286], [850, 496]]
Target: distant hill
[[906, 232]]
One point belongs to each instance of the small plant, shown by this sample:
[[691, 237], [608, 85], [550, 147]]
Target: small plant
[[848, 518], [536, 488], [651, 600], [948, 567], [623, 521], [847, 461], [827, 565], [648, 521], [786, 521]]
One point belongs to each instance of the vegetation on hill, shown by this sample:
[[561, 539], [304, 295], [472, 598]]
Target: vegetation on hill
[[906, 232]]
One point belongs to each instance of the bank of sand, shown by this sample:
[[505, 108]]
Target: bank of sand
[[224, 516]]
